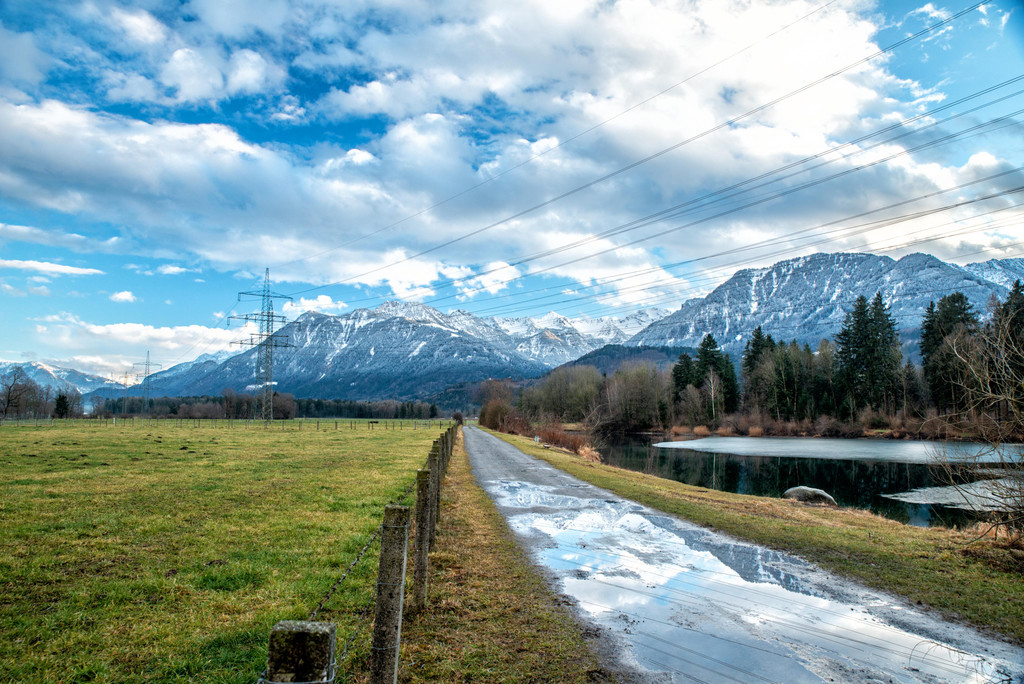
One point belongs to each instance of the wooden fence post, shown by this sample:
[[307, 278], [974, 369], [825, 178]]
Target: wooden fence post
[[301, 651], [387, 622], [434, 464], [421, 556]]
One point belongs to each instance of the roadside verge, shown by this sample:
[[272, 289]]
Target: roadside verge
[[490, 616]]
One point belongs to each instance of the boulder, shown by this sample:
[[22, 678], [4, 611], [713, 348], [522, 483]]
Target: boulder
[[809, 495]]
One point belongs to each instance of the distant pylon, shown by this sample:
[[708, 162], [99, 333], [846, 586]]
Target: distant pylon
[[147, 365], [265, 341]]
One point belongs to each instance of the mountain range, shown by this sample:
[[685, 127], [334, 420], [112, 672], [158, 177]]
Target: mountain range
[[413, 351], [806, 299]]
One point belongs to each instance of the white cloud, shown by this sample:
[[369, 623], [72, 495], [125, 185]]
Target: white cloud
[[80, 339], [237, 18], [139, 25], [56, 238], [322, 303], [123, 296], [249, 72], [47, 267], [195, 75], [170, 269]]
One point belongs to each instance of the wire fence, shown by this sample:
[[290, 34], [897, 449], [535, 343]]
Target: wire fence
[[426, 507]]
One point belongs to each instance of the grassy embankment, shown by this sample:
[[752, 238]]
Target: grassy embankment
[[164, 553], [979, 583]]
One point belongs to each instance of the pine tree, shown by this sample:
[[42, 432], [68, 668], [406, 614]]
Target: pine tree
[[953, 315], [851, 357], [682, 375], [885, 358]]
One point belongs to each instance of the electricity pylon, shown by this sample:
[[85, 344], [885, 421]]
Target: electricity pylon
[[146, 366], [265, 341]]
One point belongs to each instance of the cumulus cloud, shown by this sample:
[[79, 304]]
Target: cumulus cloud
[[123, 296], [455, 97]]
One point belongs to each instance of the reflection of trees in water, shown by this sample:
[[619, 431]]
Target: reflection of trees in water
[[858, 484]]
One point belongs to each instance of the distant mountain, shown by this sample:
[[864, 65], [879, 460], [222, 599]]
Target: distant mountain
[[999, 271], [413, 351], [401, 350], [807, 298], [59, 378], [610, 358]]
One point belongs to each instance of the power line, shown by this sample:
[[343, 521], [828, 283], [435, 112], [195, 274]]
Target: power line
[[717, 196], [624, 169], [568, 140]]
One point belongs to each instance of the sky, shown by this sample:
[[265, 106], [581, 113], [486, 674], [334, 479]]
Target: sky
[[594, 158]]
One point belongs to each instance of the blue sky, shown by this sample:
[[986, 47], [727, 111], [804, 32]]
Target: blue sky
[[156, 157]]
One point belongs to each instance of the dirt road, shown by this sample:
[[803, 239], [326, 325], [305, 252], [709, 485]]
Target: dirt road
[[687, 604]]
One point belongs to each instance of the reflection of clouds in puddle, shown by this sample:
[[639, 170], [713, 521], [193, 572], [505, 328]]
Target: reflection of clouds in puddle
[[637, 573]]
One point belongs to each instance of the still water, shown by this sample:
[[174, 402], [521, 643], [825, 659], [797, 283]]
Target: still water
[[856, 473]]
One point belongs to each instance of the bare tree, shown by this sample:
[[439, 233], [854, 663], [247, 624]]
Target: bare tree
[[988, 373], [14, 389]]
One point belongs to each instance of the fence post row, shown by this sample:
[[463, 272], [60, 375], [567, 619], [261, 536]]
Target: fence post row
[[304, 651]]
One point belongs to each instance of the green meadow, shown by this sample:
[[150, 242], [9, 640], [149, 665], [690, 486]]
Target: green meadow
[[165, 552]]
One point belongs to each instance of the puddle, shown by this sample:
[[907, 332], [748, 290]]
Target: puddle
[[698, 606]]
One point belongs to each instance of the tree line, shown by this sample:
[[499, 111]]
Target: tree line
[[858, 378], [241, 406]]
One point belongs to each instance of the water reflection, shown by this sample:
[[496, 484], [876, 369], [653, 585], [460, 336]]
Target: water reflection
[[856, 481], [697, 605]]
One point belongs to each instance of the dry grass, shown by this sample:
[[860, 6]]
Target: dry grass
[[681, 430], [725, 431], [756, 431], [490, 617], [701, 431], [589, 454]]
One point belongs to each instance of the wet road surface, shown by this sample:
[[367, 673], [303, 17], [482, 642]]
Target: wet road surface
[[683, 603]]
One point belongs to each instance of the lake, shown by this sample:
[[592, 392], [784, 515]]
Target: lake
[[856, 472]]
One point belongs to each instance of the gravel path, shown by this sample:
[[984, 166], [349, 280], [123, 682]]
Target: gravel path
[[681, 603]]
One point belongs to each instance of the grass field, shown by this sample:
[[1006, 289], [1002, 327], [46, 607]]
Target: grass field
[[980, 582], [165, 553]]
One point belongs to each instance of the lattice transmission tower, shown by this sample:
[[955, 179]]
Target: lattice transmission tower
[[146, 365], [265, 341]]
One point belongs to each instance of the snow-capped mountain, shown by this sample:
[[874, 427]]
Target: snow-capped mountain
[[402, 350], [58, 378], [999, 271], [807, 298]]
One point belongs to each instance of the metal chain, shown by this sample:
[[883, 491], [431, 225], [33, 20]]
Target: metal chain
[[359, 557], [337, 583]]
